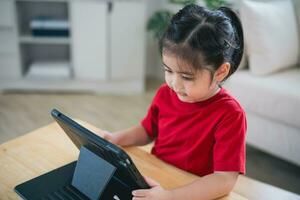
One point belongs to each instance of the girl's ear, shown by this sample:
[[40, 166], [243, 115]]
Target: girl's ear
[[222, 72]]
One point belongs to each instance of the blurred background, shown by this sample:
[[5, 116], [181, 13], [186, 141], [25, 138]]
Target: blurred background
[[98, 61]]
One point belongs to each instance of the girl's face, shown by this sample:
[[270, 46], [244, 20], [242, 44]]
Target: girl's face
[[190, 85]]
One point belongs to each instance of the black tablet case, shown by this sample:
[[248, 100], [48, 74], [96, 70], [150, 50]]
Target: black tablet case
[[89, 178]]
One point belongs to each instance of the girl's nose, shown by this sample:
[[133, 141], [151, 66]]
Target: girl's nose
[[176, 84]]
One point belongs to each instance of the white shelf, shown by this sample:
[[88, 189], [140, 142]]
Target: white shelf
[[28, 39], [49, 70], [97, 57]]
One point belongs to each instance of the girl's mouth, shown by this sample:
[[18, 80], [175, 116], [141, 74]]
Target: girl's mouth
[[181, 94]]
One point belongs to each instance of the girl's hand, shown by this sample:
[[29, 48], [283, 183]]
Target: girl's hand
[[108, 136], [155, 193]]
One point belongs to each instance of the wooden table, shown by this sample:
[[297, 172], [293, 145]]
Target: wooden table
[[48, 148]]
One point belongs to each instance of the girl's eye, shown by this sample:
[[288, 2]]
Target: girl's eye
[[187, 78], [167, 70]]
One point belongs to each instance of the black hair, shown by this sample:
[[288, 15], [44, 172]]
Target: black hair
[[205, 38]]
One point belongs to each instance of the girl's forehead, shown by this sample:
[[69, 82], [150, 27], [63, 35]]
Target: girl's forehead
[[176, 63]]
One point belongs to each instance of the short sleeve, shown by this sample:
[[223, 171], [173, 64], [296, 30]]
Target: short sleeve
[[150, 121], [229, 148]]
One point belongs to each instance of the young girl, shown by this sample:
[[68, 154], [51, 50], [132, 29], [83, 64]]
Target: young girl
[[196, 125]]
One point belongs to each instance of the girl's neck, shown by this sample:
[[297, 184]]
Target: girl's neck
[[213, 93]]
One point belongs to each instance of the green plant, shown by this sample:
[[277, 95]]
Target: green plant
[[214, 4], [159, 21], [183, 2]]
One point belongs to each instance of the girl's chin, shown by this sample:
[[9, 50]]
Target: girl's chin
[[187, 99], [184, 98]]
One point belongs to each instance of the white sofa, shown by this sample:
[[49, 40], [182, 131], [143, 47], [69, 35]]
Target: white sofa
[[272, 104]]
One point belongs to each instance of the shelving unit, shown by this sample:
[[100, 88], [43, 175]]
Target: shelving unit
[[32, 54], [43, 40], [27, 10], [42, 56], [103, 51]]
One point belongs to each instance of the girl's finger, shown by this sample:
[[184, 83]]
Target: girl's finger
[[137, 198], [140, 193], [103, 133], [151, 182]]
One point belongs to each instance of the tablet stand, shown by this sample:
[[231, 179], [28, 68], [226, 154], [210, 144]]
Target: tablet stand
[[93, 175], [89, 178]]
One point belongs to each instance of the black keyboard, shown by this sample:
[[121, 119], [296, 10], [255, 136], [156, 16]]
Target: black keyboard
[[66, 193]]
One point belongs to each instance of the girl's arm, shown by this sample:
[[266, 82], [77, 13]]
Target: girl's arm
[[136, 135], [208, 187]]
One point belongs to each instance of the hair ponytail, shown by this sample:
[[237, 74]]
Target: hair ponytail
[[238, 48]]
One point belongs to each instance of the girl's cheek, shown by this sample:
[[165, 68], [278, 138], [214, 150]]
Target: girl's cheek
[[167, 79]]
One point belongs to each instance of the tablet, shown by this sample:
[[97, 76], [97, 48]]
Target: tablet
[[81, 136]]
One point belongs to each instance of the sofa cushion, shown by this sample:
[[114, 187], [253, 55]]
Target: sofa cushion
[[271, 35], [275, 96], [297, 11]]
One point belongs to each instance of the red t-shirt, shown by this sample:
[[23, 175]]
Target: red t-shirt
[[200, 137]]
